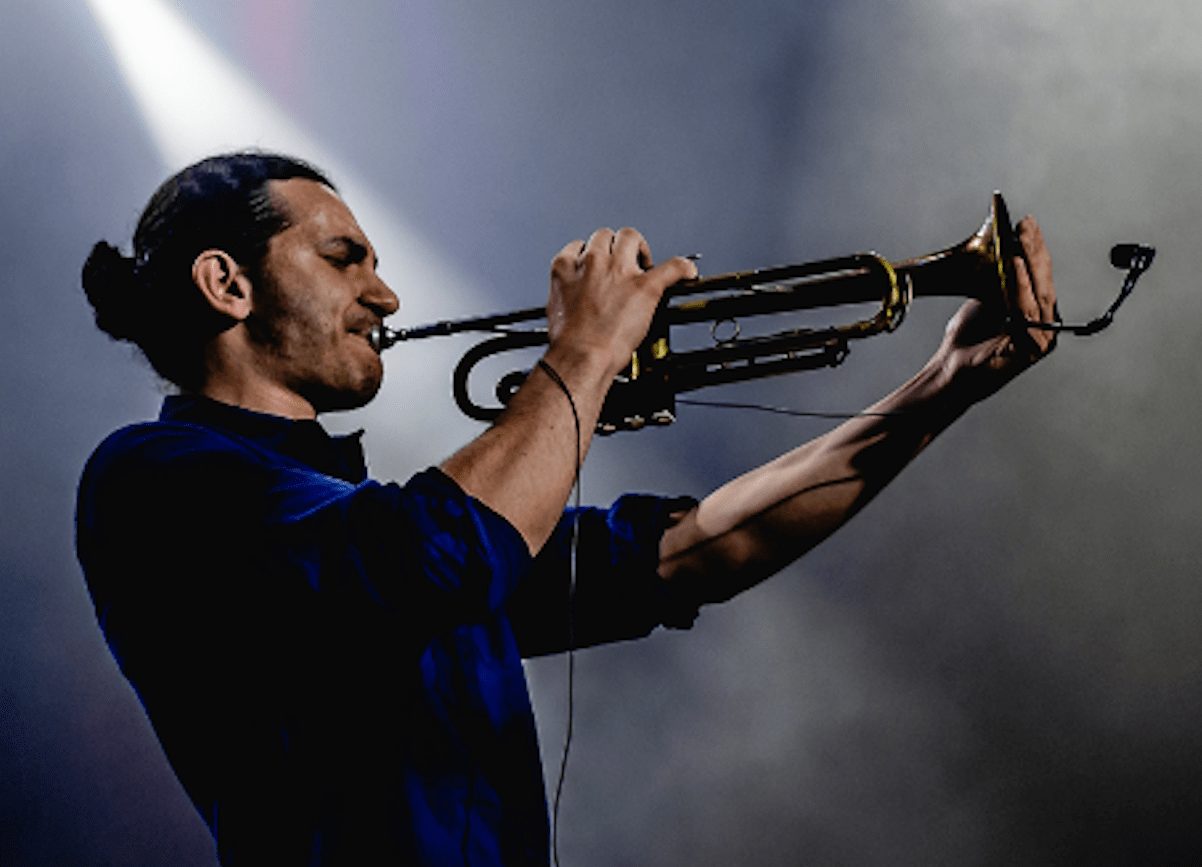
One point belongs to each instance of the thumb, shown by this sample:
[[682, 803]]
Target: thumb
[[670, 272]]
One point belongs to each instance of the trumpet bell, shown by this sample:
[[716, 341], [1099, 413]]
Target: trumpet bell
[[980, 267]]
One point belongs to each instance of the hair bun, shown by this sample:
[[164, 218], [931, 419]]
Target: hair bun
[[111, 283]]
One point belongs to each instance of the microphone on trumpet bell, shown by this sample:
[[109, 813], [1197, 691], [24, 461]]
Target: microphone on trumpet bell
[[1136, 259], [1131, 256]]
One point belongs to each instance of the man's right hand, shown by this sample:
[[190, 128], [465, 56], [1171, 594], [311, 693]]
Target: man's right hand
[[603, 295]]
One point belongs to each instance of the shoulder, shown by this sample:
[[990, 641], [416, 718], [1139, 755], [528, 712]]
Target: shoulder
[[147, 468], [159, 445], [168, 469]]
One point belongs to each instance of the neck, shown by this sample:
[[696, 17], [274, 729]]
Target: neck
[[266, 398], [234, 376]]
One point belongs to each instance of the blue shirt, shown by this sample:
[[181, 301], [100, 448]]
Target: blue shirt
[[333, 665]]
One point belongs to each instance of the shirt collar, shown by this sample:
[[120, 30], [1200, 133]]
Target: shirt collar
[[304, 440]]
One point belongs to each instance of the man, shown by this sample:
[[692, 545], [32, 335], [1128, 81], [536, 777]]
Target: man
[[332, 664]]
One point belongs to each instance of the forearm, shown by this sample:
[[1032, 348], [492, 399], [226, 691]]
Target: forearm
[[523, 467], [760, 522]]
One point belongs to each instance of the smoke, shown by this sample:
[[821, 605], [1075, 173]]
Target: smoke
[[997, 662]]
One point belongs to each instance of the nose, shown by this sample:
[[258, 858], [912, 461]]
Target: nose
[[379, 297]]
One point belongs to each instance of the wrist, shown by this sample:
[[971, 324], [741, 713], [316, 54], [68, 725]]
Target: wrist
[[941, 390], [585, 371]]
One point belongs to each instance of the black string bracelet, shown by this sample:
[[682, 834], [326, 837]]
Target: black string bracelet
[[563, 386], [567, 740]]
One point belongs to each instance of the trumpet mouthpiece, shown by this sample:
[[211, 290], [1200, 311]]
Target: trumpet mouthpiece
[[381, 337]]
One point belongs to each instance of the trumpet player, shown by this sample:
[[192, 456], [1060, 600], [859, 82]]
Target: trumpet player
[[333, 663]]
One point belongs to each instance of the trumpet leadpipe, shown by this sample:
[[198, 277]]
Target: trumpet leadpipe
[[382, 337]]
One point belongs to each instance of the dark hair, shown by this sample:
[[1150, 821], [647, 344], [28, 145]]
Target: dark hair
[[149, 299]]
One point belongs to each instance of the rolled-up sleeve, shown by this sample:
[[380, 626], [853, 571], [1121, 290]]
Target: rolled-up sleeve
[[424, 550], [618, 592]]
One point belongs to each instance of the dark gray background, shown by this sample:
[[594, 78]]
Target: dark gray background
[[998, 662]]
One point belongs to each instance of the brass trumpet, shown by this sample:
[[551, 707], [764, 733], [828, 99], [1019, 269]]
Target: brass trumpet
[[645, 392]]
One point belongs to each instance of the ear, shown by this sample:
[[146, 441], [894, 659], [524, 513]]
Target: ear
[[224, 285]]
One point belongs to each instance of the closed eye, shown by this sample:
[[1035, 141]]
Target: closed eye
[[344, 252]]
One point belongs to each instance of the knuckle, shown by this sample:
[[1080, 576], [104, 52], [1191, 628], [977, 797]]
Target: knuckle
[[569, 251]]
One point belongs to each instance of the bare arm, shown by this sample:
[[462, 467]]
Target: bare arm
[[600, 307], [760, 522]]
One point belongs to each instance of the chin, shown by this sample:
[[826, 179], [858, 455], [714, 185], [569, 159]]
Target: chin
[[346, 396]]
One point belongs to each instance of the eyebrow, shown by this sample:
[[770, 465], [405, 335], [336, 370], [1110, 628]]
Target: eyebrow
[[355, 250]]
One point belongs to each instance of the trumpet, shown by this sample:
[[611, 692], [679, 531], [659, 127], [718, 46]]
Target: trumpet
[[645, 392]]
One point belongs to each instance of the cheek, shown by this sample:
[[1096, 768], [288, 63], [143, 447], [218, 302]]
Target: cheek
[[318, 327]]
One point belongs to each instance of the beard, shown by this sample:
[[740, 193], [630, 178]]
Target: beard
[[311, 351]]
